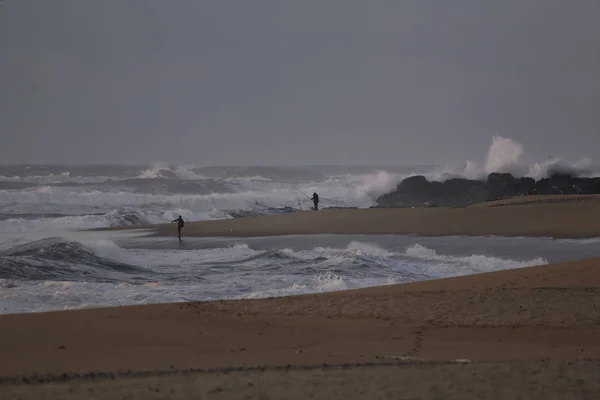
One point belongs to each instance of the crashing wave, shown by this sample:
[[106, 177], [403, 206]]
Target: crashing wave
[[59, 259], [126, 217], [505, 155], [163, 171]]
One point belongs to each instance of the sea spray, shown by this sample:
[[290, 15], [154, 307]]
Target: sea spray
[[504, 155]]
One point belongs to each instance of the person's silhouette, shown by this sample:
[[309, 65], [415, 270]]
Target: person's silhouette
[[315, 200], [180, 225]]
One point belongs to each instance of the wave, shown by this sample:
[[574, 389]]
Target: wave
[[371, 186], [42, 215], [50, 195], [357, 259], [58, 273], [582, 168], [505, 155], [157, 207], [85, 175], [126, 217], [325, 282], [431, 264], [157, 199], [36, 178], [281, 174], [469, 264], [38, 197], [256, 178], [362, 265], [167, 186], [160, 170], [64, 179], [58, 259]]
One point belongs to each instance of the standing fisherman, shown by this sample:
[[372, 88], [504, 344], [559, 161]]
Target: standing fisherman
[[315, 200]]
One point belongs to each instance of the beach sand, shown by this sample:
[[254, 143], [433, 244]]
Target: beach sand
[[568, 216], [525, 333]]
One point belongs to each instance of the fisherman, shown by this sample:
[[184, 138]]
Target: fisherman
[[180, 224], [315, 200]]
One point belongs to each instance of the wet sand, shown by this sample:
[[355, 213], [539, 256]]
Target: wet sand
[[527, 333], [568, 216]]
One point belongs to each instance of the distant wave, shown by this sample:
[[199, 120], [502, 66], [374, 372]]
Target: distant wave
[[281, 174], [126, 217], [30, 216], [160, 202], [161, 170], [63, 179], [40, 198]]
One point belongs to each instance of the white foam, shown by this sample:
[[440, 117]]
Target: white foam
[[274, 196], [374, 185], [505, 155], [461, 265], [239, 271], [155, 171], [595, 240], [581, 168], [63, 177], [162, 170], [326, 282], [248, 193], [256, 178]]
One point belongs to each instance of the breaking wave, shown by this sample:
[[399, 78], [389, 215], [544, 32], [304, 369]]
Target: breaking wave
[[57, 259], [161, 170], [505, 155], [59, 272], [103, 261], [470, 264]]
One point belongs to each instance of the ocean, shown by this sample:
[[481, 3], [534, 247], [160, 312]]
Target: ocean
[[46, 264]]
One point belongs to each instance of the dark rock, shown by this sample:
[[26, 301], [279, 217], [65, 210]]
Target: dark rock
[[417, 191]]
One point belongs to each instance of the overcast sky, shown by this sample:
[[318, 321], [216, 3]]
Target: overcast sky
[[296, 82]]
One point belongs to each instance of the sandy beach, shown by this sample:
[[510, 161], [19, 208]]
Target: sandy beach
[[299, 200], [568, 216], [522, 333], [516, 334]]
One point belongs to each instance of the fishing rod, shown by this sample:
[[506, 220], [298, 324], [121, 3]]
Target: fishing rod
[[297, 198], [307, 196], [299, 204], [310, 198], [321, 197]]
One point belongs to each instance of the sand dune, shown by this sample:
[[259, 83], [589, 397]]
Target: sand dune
[[527, 333]]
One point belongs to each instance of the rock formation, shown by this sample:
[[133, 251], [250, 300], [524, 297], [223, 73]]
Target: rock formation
[[417, 191]]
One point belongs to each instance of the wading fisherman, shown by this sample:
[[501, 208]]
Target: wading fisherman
[[180, 224]]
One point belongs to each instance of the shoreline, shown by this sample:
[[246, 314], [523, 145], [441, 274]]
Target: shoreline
[[531, 331], [563, 217], [519, 321]]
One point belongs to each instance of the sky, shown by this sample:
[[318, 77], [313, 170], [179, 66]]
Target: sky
[[348, 82]]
